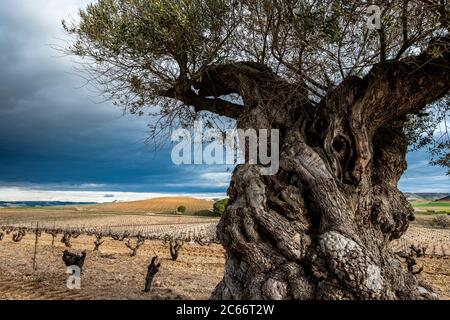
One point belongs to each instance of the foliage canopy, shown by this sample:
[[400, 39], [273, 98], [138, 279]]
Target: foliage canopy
[[150, 56]]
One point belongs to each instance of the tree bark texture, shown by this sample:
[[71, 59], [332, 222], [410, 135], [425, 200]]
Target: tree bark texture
[[320, 228]]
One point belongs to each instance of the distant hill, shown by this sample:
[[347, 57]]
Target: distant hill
[[22, 204], [446, 199], [158, 205], [420, 196]]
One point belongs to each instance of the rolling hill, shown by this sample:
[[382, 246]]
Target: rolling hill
[[420, 196], [445, 199], [158, 205]]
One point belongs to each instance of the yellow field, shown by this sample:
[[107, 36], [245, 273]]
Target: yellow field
[[431, 206], [159, 205]]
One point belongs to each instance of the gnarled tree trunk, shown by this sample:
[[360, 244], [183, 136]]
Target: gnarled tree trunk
[[320, 228]]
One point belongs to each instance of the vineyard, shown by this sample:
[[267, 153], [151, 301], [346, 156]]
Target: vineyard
[[187, 229], [119, 249], [202, 234], [436, 242], [115, 270], [93, 221]]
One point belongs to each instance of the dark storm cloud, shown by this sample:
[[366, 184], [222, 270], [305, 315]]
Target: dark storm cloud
[[51, 132]]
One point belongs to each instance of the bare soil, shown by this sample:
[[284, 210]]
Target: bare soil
[[108, 274], [112, 274]]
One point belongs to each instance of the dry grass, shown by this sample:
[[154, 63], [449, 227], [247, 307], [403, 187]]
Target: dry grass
[[159, 205]]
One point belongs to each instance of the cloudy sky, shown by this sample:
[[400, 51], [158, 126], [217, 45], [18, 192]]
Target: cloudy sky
[[57, 142]]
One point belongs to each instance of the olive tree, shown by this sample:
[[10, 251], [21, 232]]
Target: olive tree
[[348, 85]]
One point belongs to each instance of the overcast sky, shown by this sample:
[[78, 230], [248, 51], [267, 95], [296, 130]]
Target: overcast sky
[[54, 136]]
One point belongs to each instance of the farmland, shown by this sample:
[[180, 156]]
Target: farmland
[[111, 272], [431, 206], [126, 219], [159, 205]]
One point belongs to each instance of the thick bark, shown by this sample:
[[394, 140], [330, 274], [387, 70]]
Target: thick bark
[[320, 228]]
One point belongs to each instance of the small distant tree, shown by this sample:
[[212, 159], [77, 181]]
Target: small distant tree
[[220, 206], [181, 209]]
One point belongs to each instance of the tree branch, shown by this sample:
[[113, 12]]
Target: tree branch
[[202, 103], [397, 88], [221, 80], [394, 89], [355, 110], [216, 105]]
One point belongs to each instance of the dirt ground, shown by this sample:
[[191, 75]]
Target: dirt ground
[[113, 274], [108, 274], [436, 272]]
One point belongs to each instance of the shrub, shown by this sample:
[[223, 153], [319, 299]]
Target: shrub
[[220, 206], [441, 221], [181, 209]]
